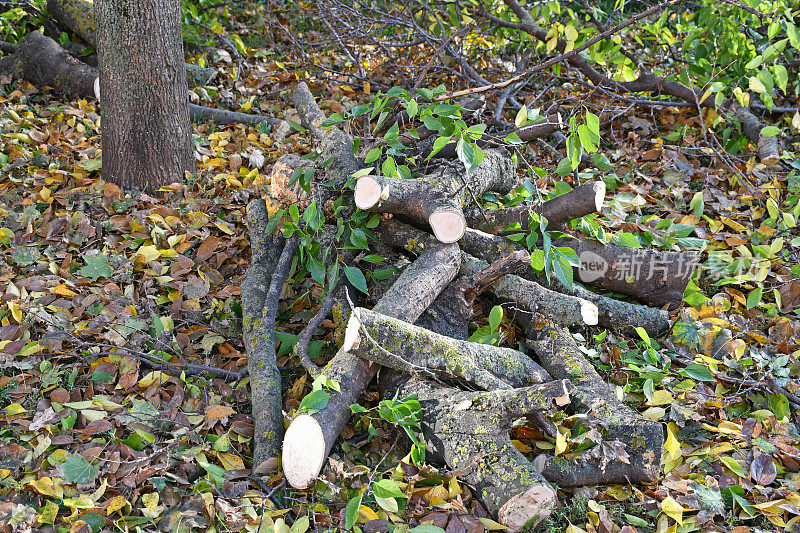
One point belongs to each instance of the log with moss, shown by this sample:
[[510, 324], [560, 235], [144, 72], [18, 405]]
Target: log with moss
[[402, 346], [310, 437], [642, 439]]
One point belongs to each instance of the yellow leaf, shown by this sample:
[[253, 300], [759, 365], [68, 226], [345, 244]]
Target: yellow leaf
[[14, 409], [117, 503], [230, 461], [367, 87], [62, 290], [365, 514], [672, 446], [44, 486], [491, 525], [672, 509], [561, 444], [522, 447], [149, 253], [157, 377], [16, 312], [661, 397]]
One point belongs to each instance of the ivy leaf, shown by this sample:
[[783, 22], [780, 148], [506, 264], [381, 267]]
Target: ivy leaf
[[78, 470], [96, 267]]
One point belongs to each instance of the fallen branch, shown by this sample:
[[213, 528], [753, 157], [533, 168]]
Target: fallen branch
[[643, 439], [309, 438], [407, 348], [271, 258], [437, 199], [581, 201], [200, 113], [612, 314]]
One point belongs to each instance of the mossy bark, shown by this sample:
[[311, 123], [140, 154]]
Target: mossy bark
[[402, 346], [412, 292], [259, 308], [468, 432], [643, 439]]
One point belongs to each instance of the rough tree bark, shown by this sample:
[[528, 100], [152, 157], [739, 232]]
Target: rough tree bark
[[270, 258], [309, 438], [146, 135]]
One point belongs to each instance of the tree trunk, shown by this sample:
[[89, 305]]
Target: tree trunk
[[146, 136]]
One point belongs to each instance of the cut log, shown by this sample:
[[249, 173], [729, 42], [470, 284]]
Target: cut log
[[199, 113], [564, 309], [412, 349], [643, 439], [612, 314], [41, 61], [469, 433], [270, 259], [304, 450], [581, 201], [335, 145], [653, 277], [437, 199]]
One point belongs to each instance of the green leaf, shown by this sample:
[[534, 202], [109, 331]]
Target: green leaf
[[440, 143], [78, 470], [774, 50], [754, 297], [351, 514], [779, 404], [300, 525], [522, 116], [564, 167], [356, 277], [96, 267], [387, 488], [734, 466], [355, 408], [426, 528], [495, 317], [389, 167], [372, 155], [770, 131], [697, 204], [90, 165], [314, 402], [699, 372]]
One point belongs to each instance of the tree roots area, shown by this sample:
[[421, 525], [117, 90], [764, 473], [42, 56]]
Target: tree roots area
[[514, 268]]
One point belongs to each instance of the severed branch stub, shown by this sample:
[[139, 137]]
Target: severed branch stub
[[438, 198], [309, 438]]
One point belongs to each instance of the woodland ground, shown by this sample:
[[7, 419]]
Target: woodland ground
[[121, 398]]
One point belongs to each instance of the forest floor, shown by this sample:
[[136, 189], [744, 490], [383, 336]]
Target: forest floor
[[122, 398]]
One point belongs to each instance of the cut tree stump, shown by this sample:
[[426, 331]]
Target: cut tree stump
[[438, 198], [581, 201], [309, 438]]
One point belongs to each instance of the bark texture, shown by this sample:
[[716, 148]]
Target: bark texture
[[146, 135], [643, 440], [259, 309], [437, 199], [309, 439], [468, 432], [41, 61], [402, 346]]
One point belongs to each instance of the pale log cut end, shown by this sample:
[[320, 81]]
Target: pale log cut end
[[352, 333], [535, 503], [448, 226], [589, 313], [599, 195], [368, 192], [303, 451]]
